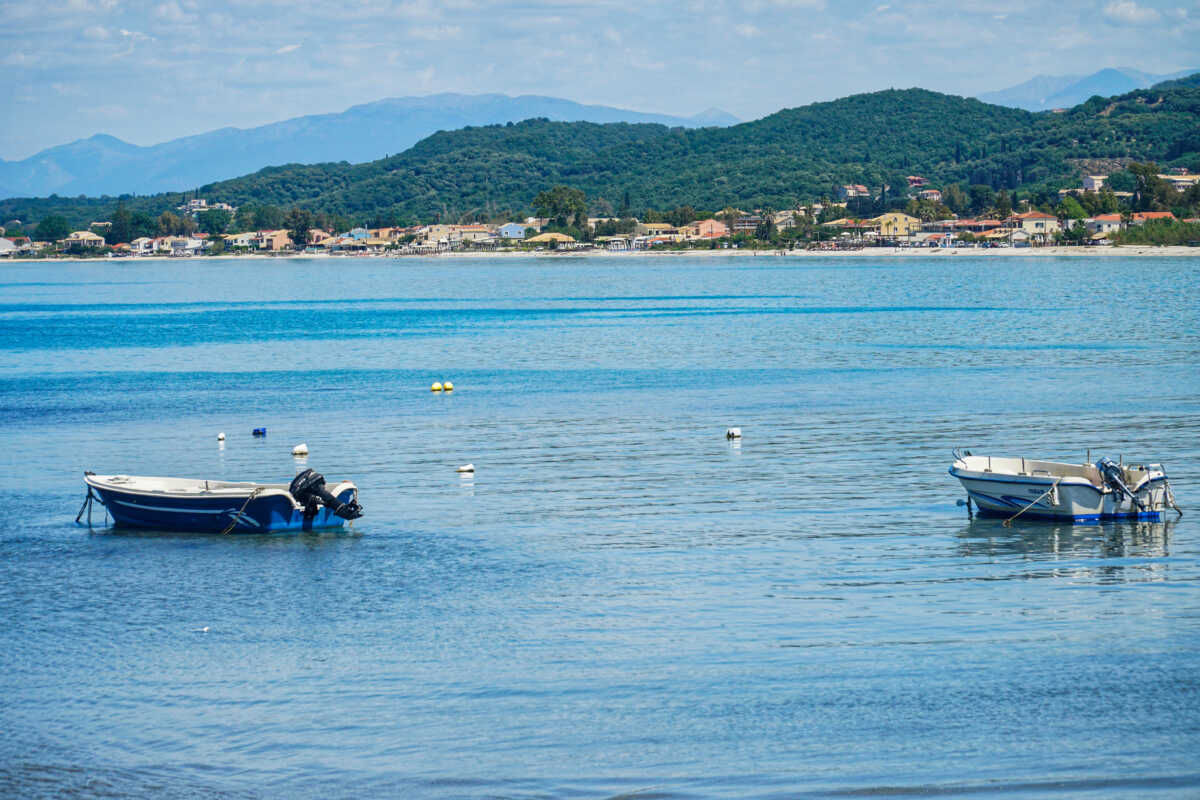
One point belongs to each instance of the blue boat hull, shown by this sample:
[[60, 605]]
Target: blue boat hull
[[265, 514]]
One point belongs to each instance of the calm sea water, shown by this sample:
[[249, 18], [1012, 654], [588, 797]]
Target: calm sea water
[[619, 602]]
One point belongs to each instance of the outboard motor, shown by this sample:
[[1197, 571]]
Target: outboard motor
[[1112, 474], [309, 490]]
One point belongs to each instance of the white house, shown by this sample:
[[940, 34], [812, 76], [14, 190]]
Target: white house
[[141, 246], [1103, 223]]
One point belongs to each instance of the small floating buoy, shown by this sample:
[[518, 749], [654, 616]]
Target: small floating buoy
[[448, 386], [300, 449], [221, 436], [466, 468], [733, 433], [202, 630], [437, 387], [259, 432]]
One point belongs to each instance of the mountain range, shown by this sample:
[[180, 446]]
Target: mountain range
[[104, 164], [792, 156], [1046, 92]]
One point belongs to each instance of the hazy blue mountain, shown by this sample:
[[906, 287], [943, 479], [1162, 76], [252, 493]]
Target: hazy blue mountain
[[1030, 95], [105, 165], [714, 118], [1066, 91]]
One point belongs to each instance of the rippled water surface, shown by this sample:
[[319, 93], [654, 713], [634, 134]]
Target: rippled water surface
[[619, 601]]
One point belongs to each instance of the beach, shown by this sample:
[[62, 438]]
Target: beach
[[1126, 251]]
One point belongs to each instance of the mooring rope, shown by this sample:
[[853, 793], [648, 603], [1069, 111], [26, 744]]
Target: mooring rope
[[1008, 522], [1169, 496], [237, 517]]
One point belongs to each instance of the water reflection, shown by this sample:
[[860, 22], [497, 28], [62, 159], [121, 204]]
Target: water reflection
[[1115, 539]]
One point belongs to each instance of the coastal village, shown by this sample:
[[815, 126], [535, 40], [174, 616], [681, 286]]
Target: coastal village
[[825, 228]]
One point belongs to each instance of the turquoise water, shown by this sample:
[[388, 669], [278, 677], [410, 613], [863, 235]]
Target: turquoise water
[[619, 601]]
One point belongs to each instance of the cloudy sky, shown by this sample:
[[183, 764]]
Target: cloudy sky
[[151, 70]]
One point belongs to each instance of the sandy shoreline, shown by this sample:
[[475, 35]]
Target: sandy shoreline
[[867, 252]]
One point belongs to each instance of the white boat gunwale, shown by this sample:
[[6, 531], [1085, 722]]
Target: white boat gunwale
[[196, 488], [1044, 480]]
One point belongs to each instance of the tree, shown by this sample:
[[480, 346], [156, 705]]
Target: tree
[[53, 228], [214, 221], [121, 229], [1122, 181], [245, 220], [1106, 201], [926, 210], [268, 218], [1003, 204], [681, 216], [1069, 208], [142, 224], [982, 197], [168, 224], [955, 198], [560, 204], [299, 223]]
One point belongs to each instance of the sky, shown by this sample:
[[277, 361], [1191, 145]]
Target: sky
[[148, 71]]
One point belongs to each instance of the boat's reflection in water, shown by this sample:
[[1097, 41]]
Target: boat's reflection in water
[[1117, 551]]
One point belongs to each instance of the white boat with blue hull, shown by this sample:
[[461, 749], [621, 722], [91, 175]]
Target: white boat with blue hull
[[1004, 486], [205, 506]]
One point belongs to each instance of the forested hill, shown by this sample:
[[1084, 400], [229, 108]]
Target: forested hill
[[795, 155]]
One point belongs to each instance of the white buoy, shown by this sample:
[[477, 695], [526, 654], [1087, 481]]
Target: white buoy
[[448, 386], [733, 433], [437, 387], [466, 468], [300, 449], [221, 436]]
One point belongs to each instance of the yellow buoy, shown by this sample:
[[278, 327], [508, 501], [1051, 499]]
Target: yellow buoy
[[437, 387], [448, 386]]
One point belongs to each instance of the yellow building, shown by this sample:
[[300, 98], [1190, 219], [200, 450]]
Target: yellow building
[[895, 225]]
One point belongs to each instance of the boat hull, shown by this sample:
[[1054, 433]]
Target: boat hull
[[271, 512], [1071, 500]]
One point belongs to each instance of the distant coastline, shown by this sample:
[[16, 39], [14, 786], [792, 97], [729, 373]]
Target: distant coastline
[[866, 252]]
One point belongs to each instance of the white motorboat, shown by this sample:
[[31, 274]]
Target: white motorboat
[[1060, 491], [185, 504]]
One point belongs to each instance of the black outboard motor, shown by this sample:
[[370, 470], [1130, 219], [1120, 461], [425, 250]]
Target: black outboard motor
[[1111, 472], [309, 490]]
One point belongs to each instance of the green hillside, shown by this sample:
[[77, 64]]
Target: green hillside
[[795, 155], [1192, 81]]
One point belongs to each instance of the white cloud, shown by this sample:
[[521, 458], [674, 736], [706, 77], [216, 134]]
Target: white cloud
[[171, 12], [747, 31], [287, 48], [435, 33], [1130, 13], [96, 33], [92, 6]]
